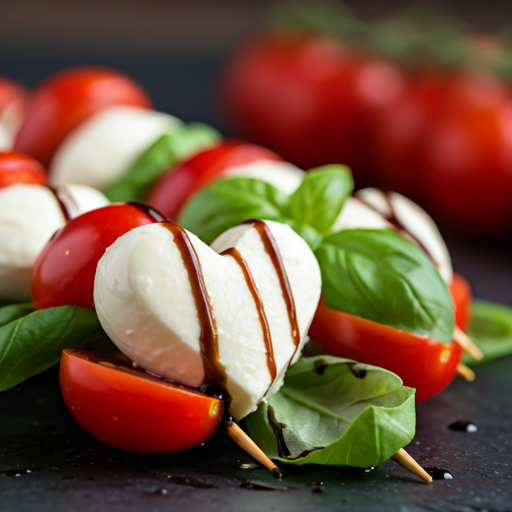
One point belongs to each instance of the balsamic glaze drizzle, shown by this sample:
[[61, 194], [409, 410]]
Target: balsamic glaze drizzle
[[151, 212], [62, 205], [272, 250], [392, 218], [215, 372], [267, 337]]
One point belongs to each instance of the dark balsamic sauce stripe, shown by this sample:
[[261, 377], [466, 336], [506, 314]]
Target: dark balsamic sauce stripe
[[395, 222], [215, 372], [63, 208], [271, 363], [151, 212], [272, 250]]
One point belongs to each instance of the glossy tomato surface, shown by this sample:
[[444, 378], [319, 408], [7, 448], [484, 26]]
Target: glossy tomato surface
[[18, 168], [460, 291], [64, 271], [132, 410], [182, 181], [308, 97], [422, 363], [67, 98]]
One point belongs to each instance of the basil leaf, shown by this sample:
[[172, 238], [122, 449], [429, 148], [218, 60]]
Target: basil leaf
[[14, 311], [181, 143], [228, 202], [320, 197], [311, 236], [381, 276], [335, 412], [33, 343], [491, 330]]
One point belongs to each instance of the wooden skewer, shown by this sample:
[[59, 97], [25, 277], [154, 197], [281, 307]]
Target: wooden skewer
[[407, 462], [465, 342], [465, 372], [245, 442]]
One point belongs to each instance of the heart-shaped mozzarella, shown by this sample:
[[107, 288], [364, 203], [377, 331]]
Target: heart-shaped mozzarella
[[371, 208], [236, 314], [29, 216]]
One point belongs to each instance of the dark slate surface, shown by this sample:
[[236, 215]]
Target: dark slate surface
[[71, 471]]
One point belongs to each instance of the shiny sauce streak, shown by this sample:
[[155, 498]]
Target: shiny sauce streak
[[272, 249], [392, 218], [151, 212], [267, 337], [215, 373], [62, 205]]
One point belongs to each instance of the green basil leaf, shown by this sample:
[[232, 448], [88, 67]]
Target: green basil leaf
[[335, 412], [312, 237], [181, 143], [33, 343], [14, 311], [320, 197], [228, 202], [381, 276], [491, 330]]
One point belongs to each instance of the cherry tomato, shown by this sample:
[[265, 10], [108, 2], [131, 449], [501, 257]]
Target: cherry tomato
[[466, 158], [308, 97], [67, 98], [461, 296], [422, 363], [10, 91], [181, 182], [64, 271], [17, 168], [132, 410]]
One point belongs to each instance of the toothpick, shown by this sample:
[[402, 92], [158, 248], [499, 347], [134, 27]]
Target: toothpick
[[465, 372], [245, 442], [407, 462], [465, 342]]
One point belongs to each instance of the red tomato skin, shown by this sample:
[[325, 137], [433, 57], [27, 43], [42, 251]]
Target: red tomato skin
[[63, 273], [308, 98], [177, 185], [67, 98], [466, 175], [132, 410], [10, 91], [422, 363], [460, 291], [16, 168]]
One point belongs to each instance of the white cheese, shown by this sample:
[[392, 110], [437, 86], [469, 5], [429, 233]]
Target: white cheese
[[102, 148], [29, 216], [144, 301]]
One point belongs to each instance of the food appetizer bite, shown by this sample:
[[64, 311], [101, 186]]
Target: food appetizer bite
[[227, 158], [95, 126], [30, 213], [384, 301]]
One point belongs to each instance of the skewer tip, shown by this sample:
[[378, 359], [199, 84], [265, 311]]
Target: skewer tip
[[466, 372], [245, 442], [406, 461]]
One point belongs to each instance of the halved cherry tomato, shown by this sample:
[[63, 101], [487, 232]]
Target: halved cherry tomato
[[132, 410], [461, 295], [422, 363], [17, 168], [181, 182], [64, 271], [67, 98]]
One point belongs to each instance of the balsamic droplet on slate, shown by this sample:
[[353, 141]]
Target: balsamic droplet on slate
[[438, 473], [463, 426]]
